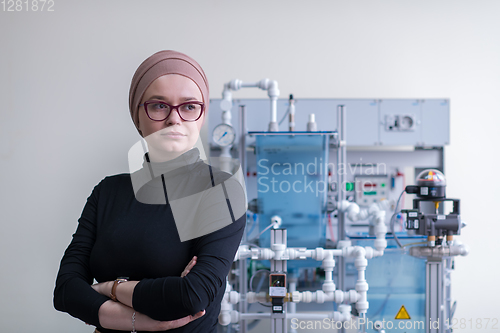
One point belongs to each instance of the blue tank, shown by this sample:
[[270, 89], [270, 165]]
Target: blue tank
[[292, 182]]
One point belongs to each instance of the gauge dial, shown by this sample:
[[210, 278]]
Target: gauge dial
[[224, 135]]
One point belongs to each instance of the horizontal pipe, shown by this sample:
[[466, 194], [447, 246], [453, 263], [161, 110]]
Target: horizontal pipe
[[302, 315]]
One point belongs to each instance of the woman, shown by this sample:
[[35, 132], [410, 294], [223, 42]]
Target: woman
[[161, 241]]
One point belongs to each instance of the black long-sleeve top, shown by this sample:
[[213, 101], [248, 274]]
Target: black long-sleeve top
[[119, 236]]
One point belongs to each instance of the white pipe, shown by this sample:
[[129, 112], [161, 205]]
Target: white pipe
[[226, 307], [328, 265], [354, 213], [273, 93], [264, 84], [329, 293], [225, 158], [343, 315], [290, 253], [376, 214], [253, 297], [308, 316], [361, 285], [318, 296], [248, 316], [292, 307], [380, 230]]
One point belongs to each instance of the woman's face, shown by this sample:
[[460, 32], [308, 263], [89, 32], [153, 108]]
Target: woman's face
[[171, 137]]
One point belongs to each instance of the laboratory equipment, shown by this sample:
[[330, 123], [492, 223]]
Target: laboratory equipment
[[336, 245]]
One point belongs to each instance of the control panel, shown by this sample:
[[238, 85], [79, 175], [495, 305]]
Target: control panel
[[371, 189]]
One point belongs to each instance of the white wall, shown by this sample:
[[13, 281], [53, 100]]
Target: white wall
[[64, 122]]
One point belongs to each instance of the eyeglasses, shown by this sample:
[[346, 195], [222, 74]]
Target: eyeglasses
[[159, 111]]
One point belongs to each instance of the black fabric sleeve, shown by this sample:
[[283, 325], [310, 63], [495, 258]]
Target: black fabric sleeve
[[73, 293], [171, 298]]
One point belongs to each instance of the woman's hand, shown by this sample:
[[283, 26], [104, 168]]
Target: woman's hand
[[189, 266], [111, 313], [170, 325], [117, 316], [103, 288]]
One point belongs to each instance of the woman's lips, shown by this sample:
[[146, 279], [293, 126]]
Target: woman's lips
[[173, 135]]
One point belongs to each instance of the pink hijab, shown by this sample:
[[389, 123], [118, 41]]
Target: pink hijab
[[159, 64]]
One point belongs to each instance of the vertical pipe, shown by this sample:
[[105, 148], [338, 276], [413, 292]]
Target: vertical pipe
[[291, 121], [274, 108], [273, 124], [362, 327], [292, 307], [242, 306], [279, 322], [434, 296], [447, 294], [344, 152], [341, 167], [341, 156], [225, 158], [243, 146]]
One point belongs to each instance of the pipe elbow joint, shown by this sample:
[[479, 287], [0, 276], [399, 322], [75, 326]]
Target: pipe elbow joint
[[359, 252], [263, 84], [363, 214], [345, 311], [235, 84], [343, 205], [272, 90], [225, 318]]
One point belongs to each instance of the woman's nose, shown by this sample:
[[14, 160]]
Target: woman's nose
[[174, 117]]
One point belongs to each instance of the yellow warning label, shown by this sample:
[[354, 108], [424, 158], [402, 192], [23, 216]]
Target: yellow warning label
[[402, 313]]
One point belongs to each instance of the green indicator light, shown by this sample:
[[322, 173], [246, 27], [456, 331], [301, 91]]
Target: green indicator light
[[383, 184], [349, 186], [370, 193]]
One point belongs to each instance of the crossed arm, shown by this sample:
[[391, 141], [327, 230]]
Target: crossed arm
[[159, 303], [118, 315], [74, 294]]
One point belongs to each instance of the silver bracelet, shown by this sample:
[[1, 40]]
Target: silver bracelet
[[133, 323]]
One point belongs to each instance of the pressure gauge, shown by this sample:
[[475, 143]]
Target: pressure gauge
[[223, 135]]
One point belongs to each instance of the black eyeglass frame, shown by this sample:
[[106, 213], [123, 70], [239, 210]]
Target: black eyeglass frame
[[173, 107]]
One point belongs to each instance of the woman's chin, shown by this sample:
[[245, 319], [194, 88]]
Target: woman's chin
[[168, 151]]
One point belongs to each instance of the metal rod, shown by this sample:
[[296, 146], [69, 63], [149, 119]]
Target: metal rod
[[252, 133], [447, 294], [243, 262], [341, 183], [242, 306], [243, 146], [434, 296], [278, 320], [341, 167], [308, 315], [289, 316]]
